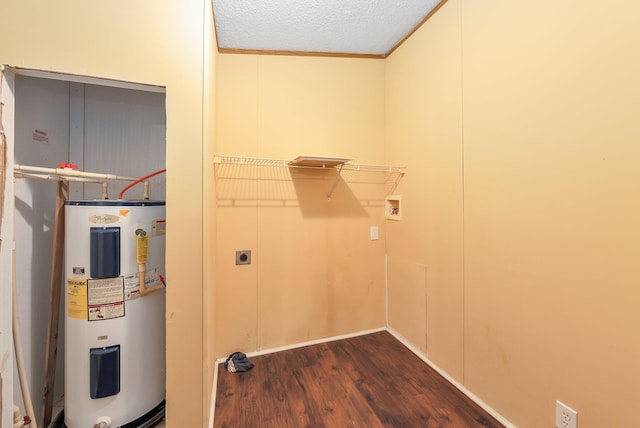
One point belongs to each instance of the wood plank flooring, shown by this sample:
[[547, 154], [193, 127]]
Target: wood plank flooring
[[367, 381]]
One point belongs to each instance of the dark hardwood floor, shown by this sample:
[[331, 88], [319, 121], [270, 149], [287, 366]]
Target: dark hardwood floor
[[367, 381]]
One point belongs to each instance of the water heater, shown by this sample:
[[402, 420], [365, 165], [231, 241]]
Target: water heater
[[114, 328]]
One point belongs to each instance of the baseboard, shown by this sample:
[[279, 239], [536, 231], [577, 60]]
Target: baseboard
[[418, 352], [308, 343]]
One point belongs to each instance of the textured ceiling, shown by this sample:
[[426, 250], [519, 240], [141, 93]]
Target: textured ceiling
[[356, 27]]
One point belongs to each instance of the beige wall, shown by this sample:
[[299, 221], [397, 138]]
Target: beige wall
[[314, 273], [209, 214], [155, 43], [533, 110], [423, 131]]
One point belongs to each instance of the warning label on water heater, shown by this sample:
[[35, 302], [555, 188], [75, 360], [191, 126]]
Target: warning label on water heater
[[106, 312], [105, 298], [158, 227], [132, 283]]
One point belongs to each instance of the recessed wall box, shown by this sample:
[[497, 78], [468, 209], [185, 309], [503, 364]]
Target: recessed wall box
[[393, 207]]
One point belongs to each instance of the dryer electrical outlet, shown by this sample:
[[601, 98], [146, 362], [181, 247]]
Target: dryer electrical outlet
[[243, 257]]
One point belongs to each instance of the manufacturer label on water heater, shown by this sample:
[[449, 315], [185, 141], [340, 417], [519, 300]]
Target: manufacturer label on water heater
[[105, 298], [104, 219]]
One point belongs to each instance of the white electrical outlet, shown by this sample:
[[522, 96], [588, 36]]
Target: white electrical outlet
[[566, 417], [374, 233]]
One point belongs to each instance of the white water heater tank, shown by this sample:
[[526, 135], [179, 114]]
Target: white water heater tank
[[114, 336]]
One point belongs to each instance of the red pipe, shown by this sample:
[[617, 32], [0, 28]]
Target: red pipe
[[140, 180]]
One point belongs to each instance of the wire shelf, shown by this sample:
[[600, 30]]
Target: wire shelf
[[307, 162], [393, 174], [233, 160]]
